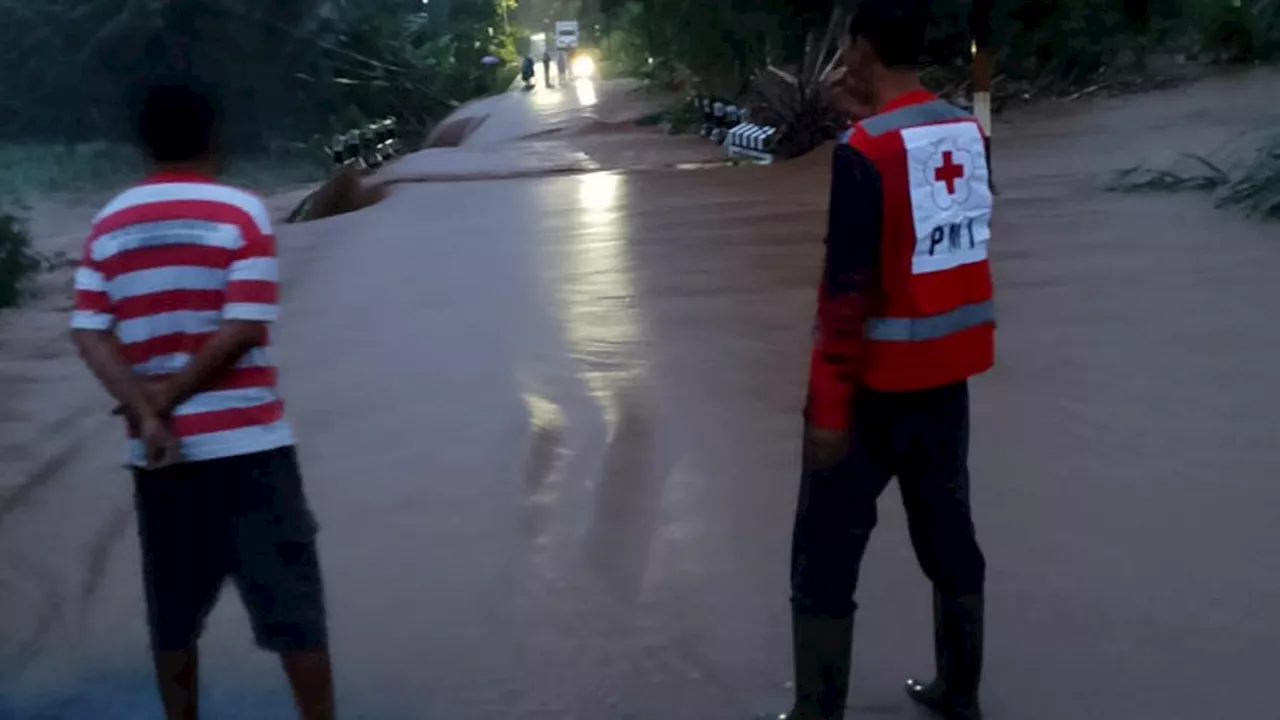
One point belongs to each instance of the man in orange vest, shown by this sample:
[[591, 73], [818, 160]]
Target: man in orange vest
[[904, 318]]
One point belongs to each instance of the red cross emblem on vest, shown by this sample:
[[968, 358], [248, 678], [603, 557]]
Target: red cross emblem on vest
[[949, 172]]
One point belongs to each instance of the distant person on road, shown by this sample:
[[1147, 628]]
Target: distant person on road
[[176, 289], [546, 67], [526, 71], [562, 65], [904, 318]]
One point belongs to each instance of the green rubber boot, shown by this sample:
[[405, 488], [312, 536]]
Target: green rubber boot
[[820, 648], [957, 634]]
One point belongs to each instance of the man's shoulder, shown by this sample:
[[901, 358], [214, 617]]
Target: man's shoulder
[[864, 146], [879, 137], [201, 199], [854, 163]]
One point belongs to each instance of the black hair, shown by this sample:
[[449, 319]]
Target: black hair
[[177, 120], [895, 29]]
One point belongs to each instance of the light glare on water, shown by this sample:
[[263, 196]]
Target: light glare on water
[[586, 92]]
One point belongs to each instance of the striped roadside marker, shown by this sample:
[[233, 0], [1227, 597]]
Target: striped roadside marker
[[751, 141]]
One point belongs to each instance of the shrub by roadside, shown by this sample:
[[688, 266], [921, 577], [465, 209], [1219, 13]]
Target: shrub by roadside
[[1253, 186], [18, 263], [676, 120]]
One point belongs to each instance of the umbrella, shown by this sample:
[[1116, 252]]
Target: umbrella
[[490, 60]]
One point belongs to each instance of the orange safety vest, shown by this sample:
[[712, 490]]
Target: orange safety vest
[[932, 321]]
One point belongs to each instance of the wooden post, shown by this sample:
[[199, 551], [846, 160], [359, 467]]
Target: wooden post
[[980, 23]]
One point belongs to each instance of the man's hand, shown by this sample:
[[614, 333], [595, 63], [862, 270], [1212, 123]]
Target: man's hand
[[161, 398], [824, 449], [162, 447]]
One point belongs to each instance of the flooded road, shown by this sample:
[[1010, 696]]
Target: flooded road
[[550, 426]]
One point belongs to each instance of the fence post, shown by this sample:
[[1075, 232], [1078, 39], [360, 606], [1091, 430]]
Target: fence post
[[980, 23]]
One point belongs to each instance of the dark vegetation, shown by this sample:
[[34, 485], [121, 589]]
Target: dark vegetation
[[17, 261], [292, 71], [1041, 47], [296, 71]]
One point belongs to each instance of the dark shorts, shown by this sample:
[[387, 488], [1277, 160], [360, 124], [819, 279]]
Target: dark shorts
[[242, 517]]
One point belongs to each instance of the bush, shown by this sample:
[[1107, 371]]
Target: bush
[[677, 119], [1240, 31], [505, 78], [18, 264], [1253, 187], [1256, 186]]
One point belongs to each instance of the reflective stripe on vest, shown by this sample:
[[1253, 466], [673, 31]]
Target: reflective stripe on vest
[[936, 111], [931, 327]]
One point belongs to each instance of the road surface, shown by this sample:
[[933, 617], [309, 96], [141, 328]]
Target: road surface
[[551, 429]]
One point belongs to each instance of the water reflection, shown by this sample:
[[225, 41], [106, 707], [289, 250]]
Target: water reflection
[[586, 92], [598, 196], [597, 293], [540, 475], [605, 329], [542, 97]]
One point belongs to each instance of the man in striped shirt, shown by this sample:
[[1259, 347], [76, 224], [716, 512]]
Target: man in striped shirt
[[174, 294]]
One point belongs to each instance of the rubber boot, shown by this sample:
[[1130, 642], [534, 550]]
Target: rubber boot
[[957, 637], [820, 648]]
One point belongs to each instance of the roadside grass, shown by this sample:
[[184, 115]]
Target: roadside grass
[[31, 170], [28, 169], [1252, 186]]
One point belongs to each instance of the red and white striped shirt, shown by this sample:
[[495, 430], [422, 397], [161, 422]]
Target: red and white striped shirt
[[166, 262]]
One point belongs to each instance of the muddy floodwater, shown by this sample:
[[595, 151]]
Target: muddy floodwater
[[548, 399]]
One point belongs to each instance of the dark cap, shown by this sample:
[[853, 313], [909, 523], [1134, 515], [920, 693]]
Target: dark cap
[[895, 29]]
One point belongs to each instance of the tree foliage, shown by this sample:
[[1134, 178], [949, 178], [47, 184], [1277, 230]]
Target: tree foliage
[[288, 69], [724, 47], [722, 42], [293, 70]]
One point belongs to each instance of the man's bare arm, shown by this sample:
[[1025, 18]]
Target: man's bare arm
[[218, 355], [101, 352]]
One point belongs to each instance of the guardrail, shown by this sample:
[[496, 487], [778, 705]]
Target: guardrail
[[730, 125], [756, 142], [368, 147]]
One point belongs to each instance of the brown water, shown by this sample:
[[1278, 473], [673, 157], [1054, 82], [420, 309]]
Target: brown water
[[550, 426]]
